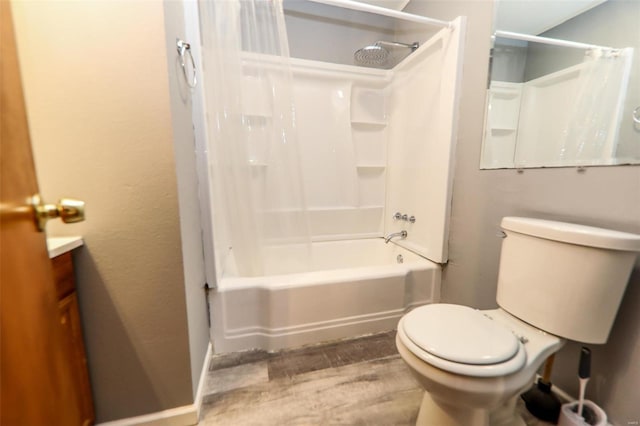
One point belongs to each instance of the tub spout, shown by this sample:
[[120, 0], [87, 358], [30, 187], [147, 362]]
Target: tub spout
[[402, 234]]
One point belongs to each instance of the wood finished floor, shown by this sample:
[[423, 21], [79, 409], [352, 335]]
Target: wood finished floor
[[360, 381]]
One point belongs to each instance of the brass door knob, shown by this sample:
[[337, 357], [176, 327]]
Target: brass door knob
[[67, 209]]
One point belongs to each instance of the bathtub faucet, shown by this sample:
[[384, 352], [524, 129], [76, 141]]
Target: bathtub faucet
[[402, 234]]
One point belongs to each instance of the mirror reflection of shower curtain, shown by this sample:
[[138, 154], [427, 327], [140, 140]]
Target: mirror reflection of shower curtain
[[253, 150], [591, 133]]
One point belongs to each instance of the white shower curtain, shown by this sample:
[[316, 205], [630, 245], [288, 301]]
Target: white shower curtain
[[591, 134], [253, 149]]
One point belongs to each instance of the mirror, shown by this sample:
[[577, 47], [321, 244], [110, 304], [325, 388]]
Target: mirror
[[564, 84]]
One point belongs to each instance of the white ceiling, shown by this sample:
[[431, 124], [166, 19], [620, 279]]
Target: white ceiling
[[537, 16]]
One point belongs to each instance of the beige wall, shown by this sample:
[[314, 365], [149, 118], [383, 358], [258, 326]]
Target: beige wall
[[600, 196], [95, 78]]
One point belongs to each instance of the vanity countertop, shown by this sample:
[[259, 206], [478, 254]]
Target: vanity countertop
[[61, 245]]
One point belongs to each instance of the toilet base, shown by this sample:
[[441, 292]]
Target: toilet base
[[443, 414]]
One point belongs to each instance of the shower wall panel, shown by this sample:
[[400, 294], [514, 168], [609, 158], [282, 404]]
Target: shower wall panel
[[545, 109], [372, 142], [327, 154], [341, 122], [423, 122]]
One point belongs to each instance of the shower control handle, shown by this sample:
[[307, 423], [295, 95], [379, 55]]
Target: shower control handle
[[404, 217]]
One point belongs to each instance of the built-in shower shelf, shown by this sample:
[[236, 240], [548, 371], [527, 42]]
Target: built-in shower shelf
[[371, 166], [502, 130], [252, 164], [370, 124], [371, 207], [507, 96], [256, 118]]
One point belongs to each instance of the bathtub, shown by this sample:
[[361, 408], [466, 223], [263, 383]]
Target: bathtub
[[356, 287]]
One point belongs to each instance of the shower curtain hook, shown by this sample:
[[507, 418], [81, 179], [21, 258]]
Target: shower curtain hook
[[183, 49]]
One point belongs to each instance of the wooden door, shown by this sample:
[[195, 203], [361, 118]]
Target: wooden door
[[36, 379]]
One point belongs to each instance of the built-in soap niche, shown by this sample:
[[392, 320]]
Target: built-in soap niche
[[256, 120], [501, 125], [505, 105], [369, 126], [369, 134]]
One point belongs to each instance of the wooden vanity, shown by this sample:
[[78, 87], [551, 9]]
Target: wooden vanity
[[69, 316]]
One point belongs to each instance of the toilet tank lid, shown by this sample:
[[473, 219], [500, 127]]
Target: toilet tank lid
[[573, 233]]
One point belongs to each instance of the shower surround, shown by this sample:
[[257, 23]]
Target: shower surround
[[368, 143]]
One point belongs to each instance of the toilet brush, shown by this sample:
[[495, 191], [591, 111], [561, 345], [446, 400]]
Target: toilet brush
[[539, 400], [584, 373]]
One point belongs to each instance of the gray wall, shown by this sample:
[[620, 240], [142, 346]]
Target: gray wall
[[600, 196], [508, 61], [96, 85], [188, 190], [330, 34]]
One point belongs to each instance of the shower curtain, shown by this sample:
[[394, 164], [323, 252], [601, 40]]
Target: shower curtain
[[253, 151], [590, 136]]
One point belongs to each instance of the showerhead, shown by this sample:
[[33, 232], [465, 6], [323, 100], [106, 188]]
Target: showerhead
[[378, 56], [371, 56]]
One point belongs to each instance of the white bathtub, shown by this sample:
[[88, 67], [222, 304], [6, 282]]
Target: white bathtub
[[357, 287]]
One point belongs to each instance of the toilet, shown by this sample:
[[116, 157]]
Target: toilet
[[556, 281]]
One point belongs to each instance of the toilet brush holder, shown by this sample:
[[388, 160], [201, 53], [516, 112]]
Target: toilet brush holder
[[592, 415]]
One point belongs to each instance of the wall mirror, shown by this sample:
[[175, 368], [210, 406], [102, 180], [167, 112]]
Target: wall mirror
[[564, 84]]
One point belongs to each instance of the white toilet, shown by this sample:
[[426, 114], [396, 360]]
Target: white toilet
[[556, 281]]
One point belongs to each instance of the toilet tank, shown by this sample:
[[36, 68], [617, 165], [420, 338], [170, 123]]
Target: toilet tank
[[564, 278]]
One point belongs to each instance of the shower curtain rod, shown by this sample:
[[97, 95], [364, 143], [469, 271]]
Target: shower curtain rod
[[548, 40], [364, 7]]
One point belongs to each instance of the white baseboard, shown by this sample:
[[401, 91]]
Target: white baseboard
[[202, 381], [180, 416], [186, 415]]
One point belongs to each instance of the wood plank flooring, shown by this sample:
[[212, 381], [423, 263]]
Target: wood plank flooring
[[360, 381]]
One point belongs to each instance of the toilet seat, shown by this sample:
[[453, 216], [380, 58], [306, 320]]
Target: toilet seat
[[460, 334], [461, 340]]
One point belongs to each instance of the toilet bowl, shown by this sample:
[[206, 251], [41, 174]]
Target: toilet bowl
[[556, 281], [472, 364]]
